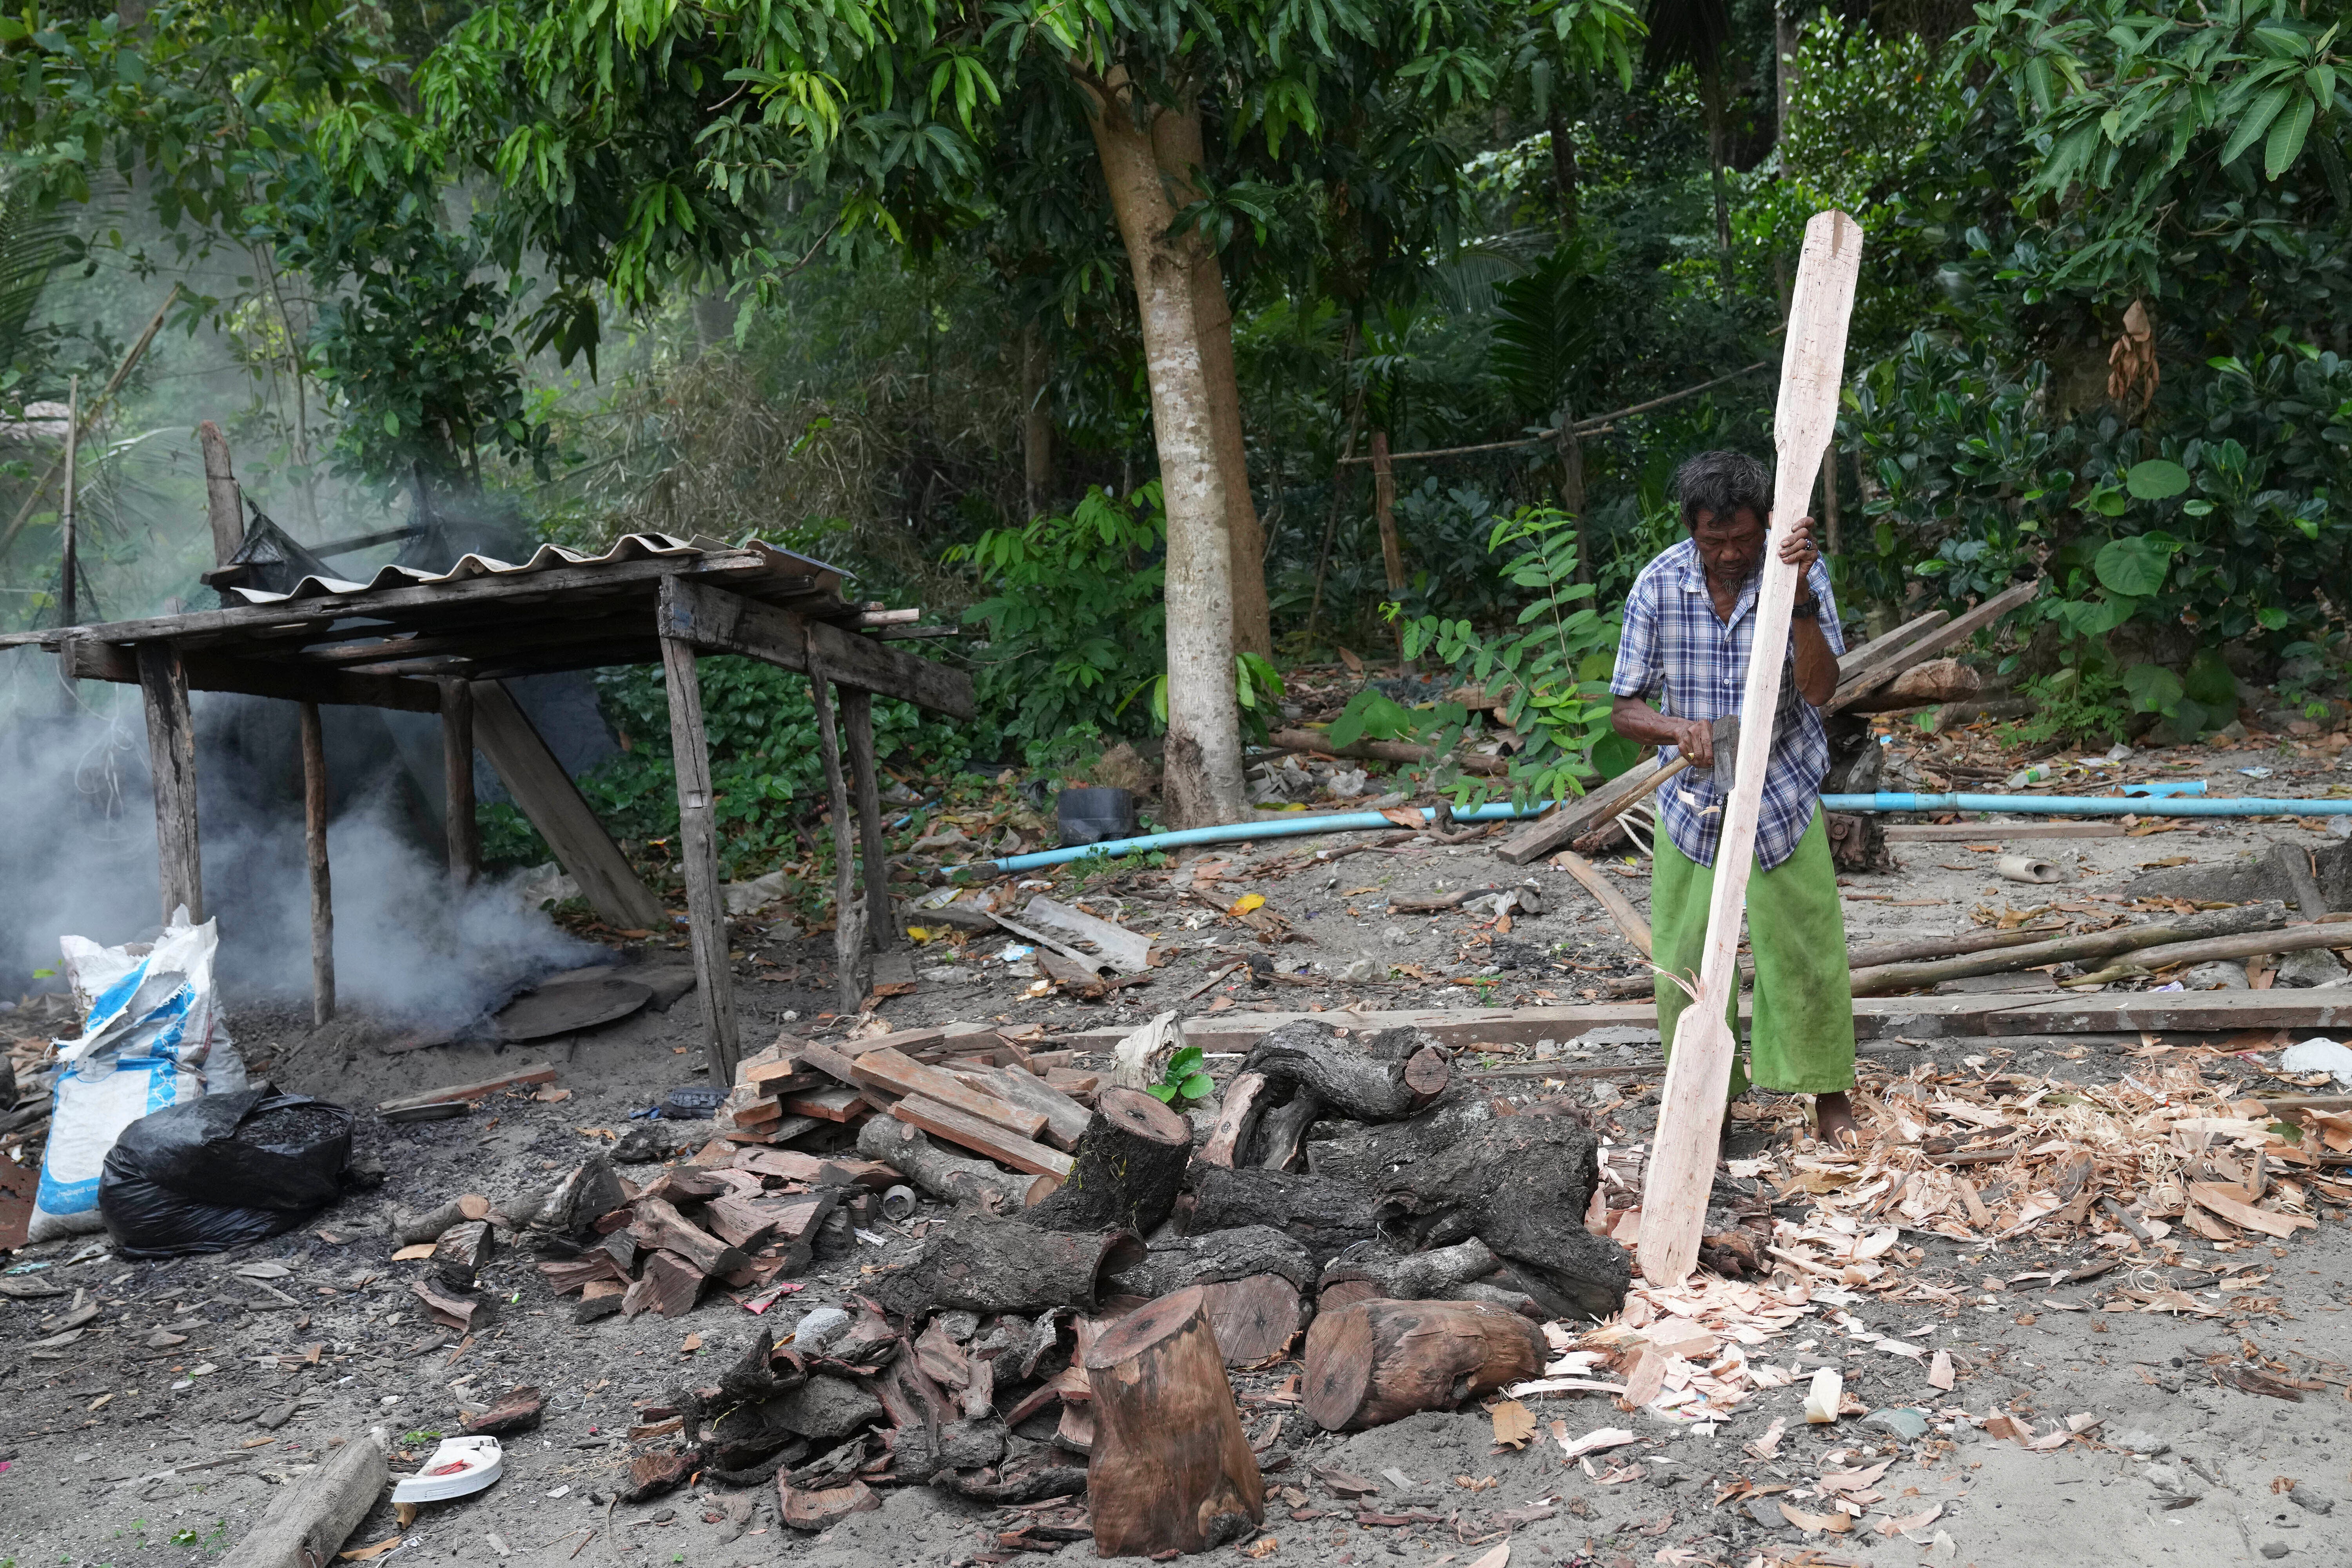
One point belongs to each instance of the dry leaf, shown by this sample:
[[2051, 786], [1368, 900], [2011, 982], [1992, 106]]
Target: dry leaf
[[1499, 1558], [1817, 1523], [693, 1343], [411, 1254], [1910, 1522], [1514, 1423], [363, 1553], [1939, 1371], [1245, 903], [1264, 1546]]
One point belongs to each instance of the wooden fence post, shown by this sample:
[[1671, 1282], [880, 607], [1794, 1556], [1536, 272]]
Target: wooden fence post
[[314, 837], [698, 836], [171, 759]]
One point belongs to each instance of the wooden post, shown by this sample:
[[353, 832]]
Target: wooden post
[[848, 913], [1384, 513], [314, 835], [224, 503], [555, 806], [698, 840], [171, 759], [1831, 541], [1172, 1470], [66, 609], [857, 730], [462, 833], [1690, 1114]]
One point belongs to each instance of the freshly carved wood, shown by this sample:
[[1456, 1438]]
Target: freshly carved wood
[[1377, 1361], [1171, 1469], [171, 760], [698, 835], [314, 848], [659, 1225], [902, 1075], [1237, 1115], [1065, 1119], [1690, 1115]]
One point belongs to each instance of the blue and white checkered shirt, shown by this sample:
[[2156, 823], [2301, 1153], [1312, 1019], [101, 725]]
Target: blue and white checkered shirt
[[1674, 640]]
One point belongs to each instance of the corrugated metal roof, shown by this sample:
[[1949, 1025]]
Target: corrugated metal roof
[[629, 547]]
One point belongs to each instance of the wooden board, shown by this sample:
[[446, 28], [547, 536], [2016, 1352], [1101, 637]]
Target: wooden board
[[887, 1070], [714, 619], [92, 660], [1065, 1119], [1988, 831], [839, 1103], [539, 1072], [1681, 1170], [1881, 658], [546, 795], [982, 1137], [1599, 804], [1935, 641]]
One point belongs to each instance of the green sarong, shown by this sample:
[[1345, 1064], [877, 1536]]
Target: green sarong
[[1801, 1037]]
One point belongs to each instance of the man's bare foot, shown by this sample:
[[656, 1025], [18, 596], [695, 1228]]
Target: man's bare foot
[[1834, 1117]]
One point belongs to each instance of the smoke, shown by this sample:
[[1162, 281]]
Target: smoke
[[411, 949]]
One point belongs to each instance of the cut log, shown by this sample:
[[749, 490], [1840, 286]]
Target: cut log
[[1363, 1076], [658, 1225], [1325, 1216], [1620, 908], [519, 1411], [1255, 1318], [982, 1137], [312, 1516], [462, 1253], [902, 1075], [1282, 1135], [445, 1307], [1936, 681], [415, 1230], [991, 1264], [1416, 1275], [1377, 1361], [945, 1175], [588, 1190], [1882, 978], [1237, 1115], [1126, 1169], [818, 1170], [1171, 1264], [1172, 1470], [671, 1285]]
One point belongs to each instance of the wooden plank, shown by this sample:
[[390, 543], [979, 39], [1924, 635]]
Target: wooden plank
[[713, 618], [705, 912], [1620, 908], [314, 845], [1681, 1171], [837, 1103], [461, 833], [1878, 660], [547, 795], [1065, 1119], [2216, 1013], [538, 1072], [818, 1170], [171, 760], [1600, 803], [1972, 832], [1938, 639], [982, 1137], [88, 660], [849, 960], [873, 851], [902, 1075]]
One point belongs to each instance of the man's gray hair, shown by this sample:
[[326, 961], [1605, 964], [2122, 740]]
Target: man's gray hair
[[1721, 484]]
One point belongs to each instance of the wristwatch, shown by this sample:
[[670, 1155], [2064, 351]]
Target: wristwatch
[[1809, 609]]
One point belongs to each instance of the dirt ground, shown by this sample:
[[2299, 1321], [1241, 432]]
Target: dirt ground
[[162, 1430]]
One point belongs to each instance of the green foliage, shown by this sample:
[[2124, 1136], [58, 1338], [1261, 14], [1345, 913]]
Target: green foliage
[[1550, 669], [1074, 614], [1186, 1078], [1371, 715], [2077, 705]]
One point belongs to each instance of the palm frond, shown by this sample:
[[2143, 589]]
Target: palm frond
[[1686, 33], [1545, 325], [32, 244]]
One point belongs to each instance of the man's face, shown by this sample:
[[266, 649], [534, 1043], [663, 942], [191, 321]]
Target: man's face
[[1728, 547]]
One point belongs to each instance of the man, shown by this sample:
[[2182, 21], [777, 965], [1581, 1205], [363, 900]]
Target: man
[[1690, 623]]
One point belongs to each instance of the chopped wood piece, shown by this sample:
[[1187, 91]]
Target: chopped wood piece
[[950, 1176], [1325, 1215], [838, 1103], [1172, 1263], [887, 1070], [519, 1411], [669, 1285], [410, 1229], [539, 1072], [587, 1191], [461, 1254], [824, 1510], [1255, 1318], [1282, 1135], [1378, 1360], [1936, 681], [1418, 1276], [982, 1137], [577, 1274], [1244, 1101], [989, 1265], [817, 1170], [1171, 1469], [658, 1225], [447, 1307], [1126, 1169]]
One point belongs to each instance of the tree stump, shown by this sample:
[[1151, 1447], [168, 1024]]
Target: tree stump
[[1127, 1168], [1172, 1470], [1377, 1361]]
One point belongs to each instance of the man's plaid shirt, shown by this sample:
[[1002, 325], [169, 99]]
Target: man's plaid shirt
[[1673, 640]]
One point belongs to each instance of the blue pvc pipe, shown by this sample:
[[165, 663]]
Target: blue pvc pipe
[[1278, 827], [2089, 805]]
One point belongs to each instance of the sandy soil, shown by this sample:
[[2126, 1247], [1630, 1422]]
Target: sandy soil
[[116, 1453]]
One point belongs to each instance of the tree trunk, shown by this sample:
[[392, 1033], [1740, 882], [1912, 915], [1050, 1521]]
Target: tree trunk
[[1364, 1077], [1417, 1275], [1378, 1362], [1203, 761], [1563, 164], [1178, 1262], [1127, 1168], [1710, 90], [1172, 1470], [1176, 144], [1036, 423], [1787, 33]]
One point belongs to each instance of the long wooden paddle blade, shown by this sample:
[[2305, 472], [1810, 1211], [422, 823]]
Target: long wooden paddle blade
[[1690, 1115]]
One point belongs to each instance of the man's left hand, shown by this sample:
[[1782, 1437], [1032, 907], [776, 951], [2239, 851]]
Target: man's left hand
[[1797, 547]]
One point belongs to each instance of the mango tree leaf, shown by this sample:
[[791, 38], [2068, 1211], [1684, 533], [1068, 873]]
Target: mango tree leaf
[[2159, 478], [2134, 565]]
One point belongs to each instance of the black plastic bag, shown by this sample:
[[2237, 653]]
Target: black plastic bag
[[216, 1173]]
